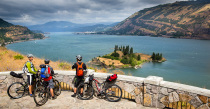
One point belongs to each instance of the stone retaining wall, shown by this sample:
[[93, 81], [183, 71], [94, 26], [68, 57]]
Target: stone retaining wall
[[151, 91]]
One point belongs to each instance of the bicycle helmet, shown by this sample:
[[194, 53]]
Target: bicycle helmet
[[30, 55], [46, 61], [79, 57]]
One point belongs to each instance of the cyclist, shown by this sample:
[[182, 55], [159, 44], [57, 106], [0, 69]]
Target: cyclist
[[79, 77], [31, 72], [49, 80]]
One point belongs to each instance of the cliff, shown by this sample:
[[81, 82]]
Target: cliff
[[10, 33], [185, 19]]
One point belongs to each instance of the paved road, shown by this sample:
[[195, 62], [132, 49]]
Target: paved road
[[65, 101]]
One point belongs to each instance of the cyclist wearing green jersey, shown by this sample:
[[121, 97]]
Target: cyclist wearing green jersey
[[31, 71]]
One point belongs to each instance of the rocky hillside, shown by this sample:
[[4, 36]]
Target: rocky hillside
[[185, 19], [10, 33]]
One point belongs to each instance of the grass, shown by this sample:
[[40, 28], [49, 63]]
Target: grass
[[14, 61]]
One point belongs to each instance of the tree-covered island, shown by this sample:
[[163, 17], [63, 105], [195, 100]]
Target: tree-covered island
[[124, 57]]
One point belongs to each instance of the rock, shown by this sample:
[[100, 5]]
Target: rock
[[184, 97], [138, 99], [143, 89], [137, 91], [154, 100], [173, 97], [180, 91], [203, 98], [66, 79], [154, 89], [209, 105], [196, 102], [147, 100], [204, 106], [160, 105], [164, 91], [121, 84], [129, 87], [3, 77], [209, 100], [170, 90], [149, 86], [2, 85], [165, 100]]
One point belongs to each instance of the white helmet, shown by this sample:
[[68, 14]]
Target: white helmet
[[79, 57], [30, 55]]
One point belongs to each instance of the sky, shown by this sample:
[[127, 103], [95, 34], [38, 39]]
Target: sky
[[32, 12]]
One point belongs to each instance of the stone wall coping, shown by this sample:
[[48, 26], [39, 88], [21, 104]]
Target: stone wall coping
[[154, 80], [184, 87]]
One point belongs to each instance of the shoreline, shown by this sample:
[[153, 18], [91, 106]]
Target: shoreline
[[24, 41]]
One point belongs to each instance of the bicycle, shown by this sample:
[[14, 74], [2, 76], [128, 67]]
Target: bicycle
[[17, 90], [42, 93], [111, 91]]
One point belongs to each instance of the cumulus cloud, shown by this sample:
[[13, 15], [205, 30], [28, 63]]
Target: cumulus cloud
[[31, 12]]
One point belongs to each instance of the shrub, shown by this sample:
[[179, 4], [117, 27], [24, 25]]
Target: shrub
[[16, 57], [65, 65], [115, 54]]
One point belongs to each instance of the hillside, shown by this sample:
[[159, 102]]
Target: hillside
[[185, 19], [10, 33]]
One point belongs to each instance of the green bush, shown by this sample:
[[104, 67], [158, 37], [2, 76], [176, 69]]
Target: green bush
[[16, 57], [115, 54]]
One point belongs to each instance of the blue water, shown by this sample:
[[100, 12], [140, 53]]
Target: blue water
[[188, 60]]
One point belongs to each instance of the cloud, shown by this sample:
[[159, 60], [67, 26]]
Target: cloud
[[31, 12]]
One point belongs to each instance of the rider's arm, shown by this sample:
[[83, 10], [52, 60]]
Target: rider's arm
[[84, 67], [36, 70], [74, 66], [29, 68]]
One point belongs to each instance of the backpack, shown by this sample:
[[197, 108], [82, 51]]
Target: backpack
[[45, 71], [111, 78], [80, 71], [25, 69]]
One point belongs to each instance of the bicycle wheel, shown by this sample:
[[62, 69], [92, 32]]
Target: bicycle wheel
[[40, 95], [16, 90], [57, 87], [113, 93], [87, 91]]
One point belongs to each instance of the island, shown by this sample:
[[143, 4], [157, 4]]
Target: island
[[124, 57]]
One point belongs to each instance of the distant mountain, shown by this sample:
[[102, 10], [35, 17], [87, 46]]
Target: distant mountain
[[10, 33], [184, 19], [64, 26], [95, 28], [55, 26]]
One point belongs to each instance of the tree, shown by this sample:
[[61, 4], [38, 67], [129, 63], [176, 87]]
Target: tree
[[116, 48], [131, 50], [161, 56], [139, 58], [153, 56]]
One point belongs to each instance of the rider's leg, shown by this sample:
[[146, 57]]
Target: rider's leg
[[75, 90], [30, 89], [51, 91]]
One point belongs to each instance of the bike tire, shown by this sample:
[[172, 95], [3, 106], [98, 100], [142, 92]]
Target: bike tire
[[87, 91], [113, 91], [18, 85], [42, 94], [57, 87]]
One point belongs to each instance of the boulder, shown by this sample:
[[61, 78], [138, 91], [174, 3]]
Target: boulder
[[185, 97], [138, 99], [165, 100], [137, 91], [173, 97], [147, 100], [154, 89], [164, 91], [129, 87], [196, 102], [203, 98]]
